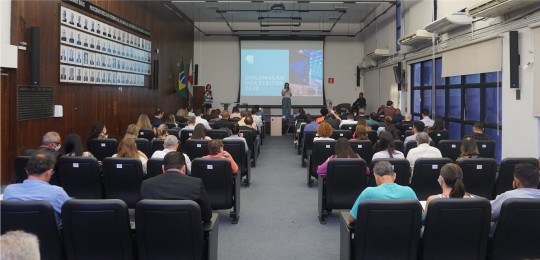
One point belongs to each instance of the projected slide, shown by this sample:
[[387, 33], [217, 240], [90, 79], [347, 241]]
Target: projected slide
[[266, 67]]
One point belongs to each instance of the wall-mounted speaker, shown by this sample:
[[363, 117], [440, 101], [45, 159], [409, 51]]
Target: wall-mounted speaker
[[358, 77], [155, 75], [514, 59], [196, 75], [34, 56]]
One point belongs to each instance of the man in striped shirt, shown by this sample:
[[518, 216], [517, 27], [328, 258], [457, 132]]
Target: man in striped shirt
[[36, 187]]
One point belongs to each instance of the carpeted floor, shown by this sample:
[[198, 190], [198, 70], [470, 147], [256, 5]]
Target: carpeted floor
[[278, 213]]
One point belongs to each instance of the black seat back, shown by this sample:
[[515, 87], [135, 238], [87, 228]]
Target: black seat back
[[350, 127], [426, 173], [401, 167], [479, 176], [437, 136], [35, 217], [154, 167], [486, 148], [336, 134], [237, 149], [102, 148], [398, 144], [196, 148], [516, 235], [457, 229], [96, 229], [408, 133], [372, 136], [147, 134], [217, 133], [506, 173], [380, 221], [307, 144], [217, 178], [169, 229], [174, 131], [122, 178], [157, 145], [184, 135], [250, 140], [414, 144], [144, 146], [20, 168], [80, 177], [364, 148], [450, 149], [321, 151], [345, 180], [333, 122]]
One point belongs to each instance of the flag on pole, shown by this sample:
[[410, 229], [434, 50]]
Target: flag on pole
[[182, 84], [190, 77]]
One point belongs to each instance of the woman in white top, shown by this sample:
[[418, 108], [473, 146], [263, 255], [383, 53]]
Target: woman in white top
[[286, 100], [451, 181], [324, 132], [128, 149], [388, 148]]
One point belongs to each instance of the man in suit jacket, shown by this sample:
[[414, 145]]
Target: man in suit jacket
[[173, 184]]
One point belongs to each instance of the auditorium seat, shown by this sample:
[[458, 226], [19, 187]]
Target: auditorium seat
[[425, 175], [157, 145], [196, 148], [336, 134], [35, 217], [450, 149], [154, 167], [217, 133], [386, 229], [252, 144], [147, 134], [122, 178], [20, 168], [407, 133], [80, 177], [437, 136], [144, 146], [479, 176], [372, 136], [307, 146], [401, 167], [237, 149], [486, 148], [102, 148], [413, 144], [300, 138], [350, 127], [174, 131], [321, 151], [96, 229], [345, 179], [222, 187], [364, 148], [184, 135], [516, 235], [456, 229], [506, 173], [172, 229]]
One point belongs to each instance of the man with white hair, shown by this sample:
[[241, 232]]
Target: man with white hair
[[19, 245], [171, 144], [423, 149], [406, 124]]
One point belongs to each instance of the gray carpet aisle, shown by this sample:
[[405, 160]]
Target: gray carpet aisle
[[278, 212]]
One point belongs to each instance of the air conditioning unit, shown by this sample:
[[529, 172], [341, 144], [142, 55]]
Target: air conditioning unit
[[495, 8], [418, 38], [378, 54], [449, 23], [367, 64]]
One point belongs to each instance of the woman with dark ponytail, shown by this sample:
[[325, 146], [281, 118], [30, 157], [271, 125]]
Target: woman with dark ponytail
[[451, 181]]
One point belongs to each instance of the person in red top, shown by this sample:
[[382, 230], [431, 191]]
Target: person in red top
[[215, 148]]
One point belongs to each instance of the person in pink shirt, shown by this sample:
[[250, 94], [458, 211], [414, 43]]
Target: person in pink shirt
[[215, 147]]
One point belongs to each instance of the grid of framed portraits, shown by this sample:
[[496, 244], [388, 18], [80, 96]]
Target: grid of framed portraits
[[93, 52]]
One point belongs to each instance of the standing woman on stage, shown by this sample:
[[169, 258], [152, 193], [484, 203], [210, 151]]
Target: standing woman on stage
[[286, 100], [208, 98]]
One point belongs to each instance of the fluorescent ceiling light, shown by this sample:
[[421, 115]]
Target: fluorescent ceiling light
[[188, 1], [325, 2]]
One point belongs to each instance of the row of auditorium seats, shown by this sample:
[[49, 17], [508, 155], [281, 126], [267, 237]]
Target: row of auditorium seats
[[453, 229], [101, 229]]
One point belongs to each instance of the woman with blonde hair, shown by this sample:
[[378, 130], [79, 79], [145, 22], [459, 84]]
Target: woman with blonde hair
[[361, 132], [162, 132], [132, 131], [128, 149], [144, 122], [324, 132]]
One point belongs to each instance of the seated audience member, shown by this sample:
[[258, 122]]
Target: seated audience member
[[19, 245], [398, 117], [162, 131], [342, 150], [392, 130], [199, 133], [73, 146], [144, 122], [243, 115], [39, 169], [406, 124], [199, 120], [236, 135], [361, 132], [359, 104], [174, 184], [324, 113], [300, 116], [51, 142], [422, 150], [128, 149], [349, 121], [387, 148], [236, 112], [451, 182], [97, 131], [181, 115], [372, 120], [438, 125], [170, 144], [214, 115], [469, 149], [388, 110], [428, 122], [387, 121], [224, 122], [478, 132], [324, 132], [191, 123], [158, 118], [132, 131], [190, 111], [260, 113], [386, 188], [170, 120], [310, 125], [247, 123], [215, 147], [256, 119], [418, 127]]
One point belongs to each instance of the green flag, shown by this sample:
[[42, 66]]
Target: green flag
[[181, 89]]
